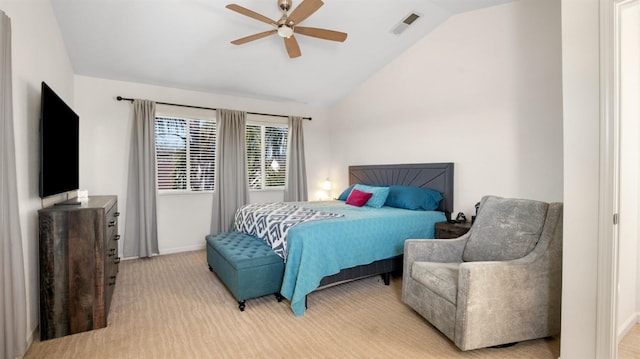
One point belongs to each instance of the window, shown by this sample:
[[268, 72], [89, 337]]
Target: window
[[266, 155], [186, 145], [185, 153]]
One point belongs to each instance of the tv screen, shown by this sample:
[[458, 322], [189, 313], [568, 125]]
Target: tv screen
[[59, 145]]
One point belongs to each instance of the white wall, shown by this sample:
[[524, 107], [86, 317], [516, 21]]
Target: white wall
[[38, 54], [483, 90], [183, 220], [629, 234], [446, 117], [580, 76]]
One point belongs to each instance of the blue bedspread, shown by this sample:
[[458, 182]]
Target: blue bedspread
[[362, 236]]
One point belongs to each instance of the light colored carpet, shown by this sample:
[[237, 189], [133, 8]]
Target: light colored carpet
[[172, 306]]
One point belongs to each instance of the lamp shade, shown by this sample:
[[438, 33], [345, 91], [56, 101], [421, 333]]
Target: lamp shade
[[326, 185]]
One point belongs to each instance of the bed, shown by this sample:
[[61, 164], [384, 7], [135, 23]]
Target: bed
[[363, 241]]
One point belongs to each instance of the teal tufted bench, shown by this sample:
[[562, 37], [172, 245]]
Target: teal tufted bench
[[245, 264]]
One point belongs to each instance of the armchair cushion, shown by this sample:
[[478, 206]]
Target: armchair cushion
[[505, 229], [440, 278]]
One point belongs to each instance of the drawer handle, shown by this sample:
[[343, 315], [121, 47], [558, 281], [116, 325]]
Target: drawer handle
[[112, 281], [117, 260], [112, 223], [112, 252], [117, 214], [116, 237]]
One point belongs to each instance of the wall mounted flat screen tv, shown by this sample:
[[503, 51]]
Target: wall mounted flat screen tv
[[59, 145]]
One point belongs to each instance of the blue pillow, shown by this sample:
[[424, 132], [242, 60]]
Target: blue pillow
[[414, 198], [379, 195], [344, 195]]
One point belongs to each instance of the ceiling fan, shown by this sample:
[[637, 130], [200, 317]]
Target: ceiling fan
[[287, 25]]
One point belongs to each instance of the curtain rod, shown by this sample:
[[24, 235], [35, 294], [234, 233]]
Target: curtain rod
[[120, 98]]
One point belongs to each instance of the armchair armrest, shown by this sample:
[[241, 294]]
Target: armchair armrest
[[428, 250], [435, 250], [504, 299], [502, 279]]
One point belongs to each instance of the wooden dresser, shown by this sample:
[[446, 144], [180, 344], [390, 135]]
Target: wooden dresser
[[78, 265]]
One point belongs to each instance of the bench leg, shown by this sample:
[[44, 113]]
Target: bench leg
[[210, 269], [386, 277], [279, 297], [241, 305]]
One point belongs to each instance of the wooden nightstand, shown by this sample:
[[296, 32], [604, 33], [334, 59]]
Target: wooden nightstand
[[446, 230]]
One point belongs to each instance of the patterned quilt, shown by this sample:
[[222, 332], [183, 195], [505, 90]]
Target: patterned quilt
[[272, 221]]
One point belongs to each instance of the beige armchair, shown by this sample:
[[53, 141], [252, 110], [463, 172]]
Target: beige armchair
[[499, 283]]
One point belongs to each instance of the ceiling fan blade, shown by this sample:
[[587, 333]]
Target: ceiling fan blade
[[292, 46], [304, 10], [321, 33], [257, 36], [250, 13]]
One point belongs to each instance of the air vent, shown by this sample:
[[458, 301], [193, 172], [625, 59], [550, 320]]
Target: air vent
[[405, 23]]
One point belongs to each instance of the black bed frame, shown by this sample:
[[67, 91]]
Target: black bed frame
[[437, 176]]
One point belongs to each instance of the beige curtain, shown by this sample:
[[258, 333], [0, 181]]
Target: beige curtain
[[231, 183], [13, 310], [141, 229], [296, 177]]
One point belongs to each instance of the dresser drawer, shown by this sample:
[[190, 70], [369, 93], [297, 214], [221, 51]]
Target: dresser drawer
[[112, 257]]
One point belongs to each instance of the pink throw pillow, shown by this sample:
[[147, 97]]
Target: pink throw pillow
[[358, 198]]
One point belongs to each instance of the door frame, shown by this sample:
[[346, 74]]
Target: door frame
[[607, 281]]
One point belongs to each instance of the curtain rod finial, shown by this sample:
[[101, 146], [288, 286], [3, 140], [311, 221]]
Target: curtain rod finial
[[119, 98]]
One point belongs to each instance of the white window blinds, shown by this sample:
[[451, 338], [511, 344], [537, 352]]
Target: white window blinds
[[266, 155], [185, 154]]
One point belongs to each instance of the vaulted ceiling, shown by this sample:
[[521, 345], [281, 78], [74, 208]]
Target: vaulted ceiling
[[186, 44]]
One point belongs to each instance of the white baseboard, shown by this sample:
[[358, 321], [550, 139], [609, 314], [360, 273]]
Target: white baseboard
[[195, 247], [29, 341], [626, 327]]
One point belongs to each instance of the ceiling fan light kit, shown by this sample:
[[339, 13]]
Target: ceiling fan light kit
[[286, 26], [285, 31]]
